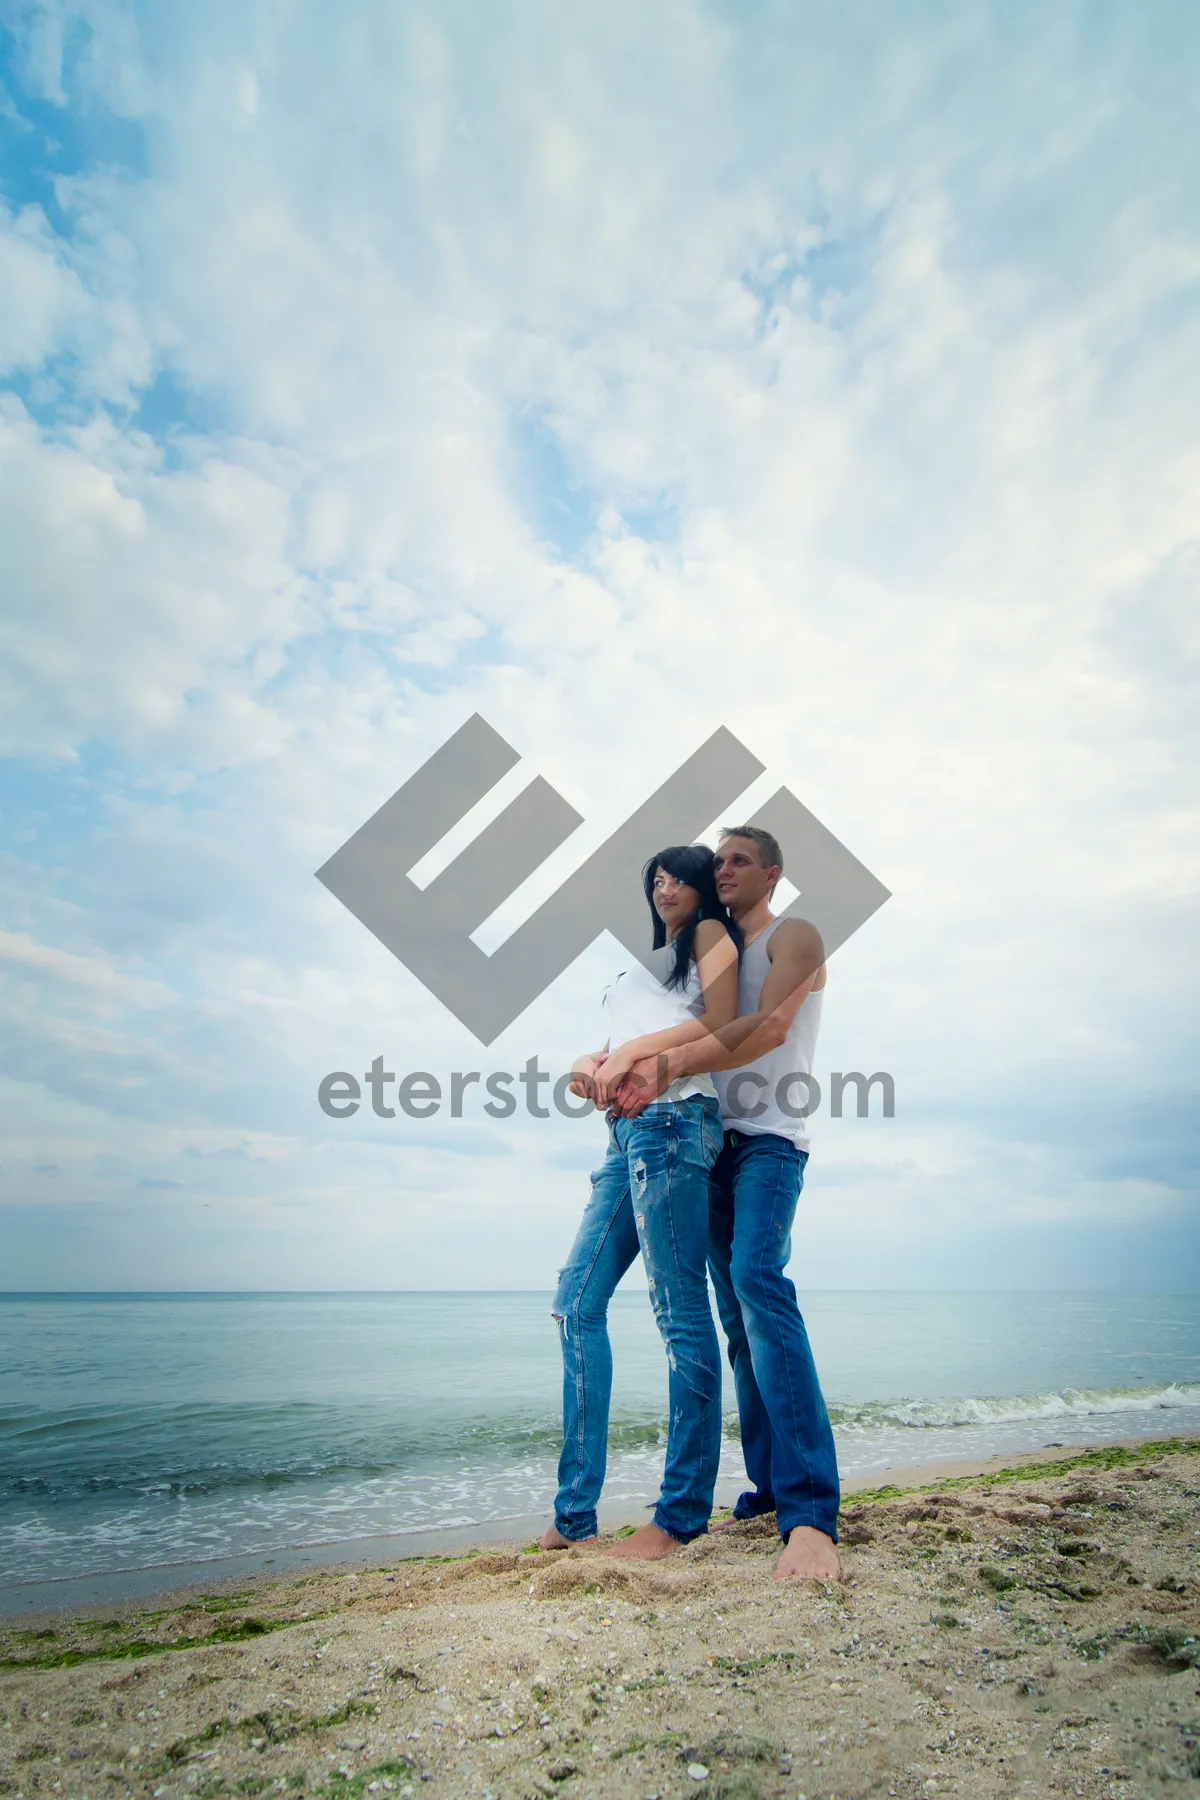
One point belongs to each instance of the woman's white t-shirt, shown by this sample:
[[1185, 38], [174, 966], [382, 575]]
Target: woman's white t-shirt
[[638, 1003]]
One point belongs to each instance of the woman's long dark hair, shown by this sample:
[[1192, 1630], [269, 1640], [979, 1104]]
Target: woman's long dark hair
[[692, 863]]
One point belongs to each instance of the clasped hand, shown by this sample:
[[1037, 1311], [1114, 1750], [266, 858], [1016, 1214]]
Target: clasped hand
[[623, 1088]]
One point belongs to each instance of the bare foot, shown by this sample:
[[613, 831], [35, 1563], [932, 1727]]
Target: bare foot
[[647, 1542], [553, 1539], [809, 1555]]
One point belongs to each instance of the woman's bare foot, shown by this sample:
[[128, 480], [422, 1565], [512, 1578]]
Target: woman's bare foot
[[647, 1542], [553, 1539], [809, 1555]]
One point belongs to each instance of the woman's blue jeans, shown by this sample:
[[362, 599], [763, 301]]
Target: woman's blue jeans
[[651, 1194]]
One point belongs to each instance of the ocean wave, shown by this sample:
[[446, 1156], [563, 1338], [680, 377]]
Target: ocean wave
[[183, 1453], [1066, 1403]]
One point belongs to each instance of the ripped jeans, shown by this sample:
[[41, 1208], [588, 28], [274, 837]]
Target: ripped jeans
[[650, 1194]]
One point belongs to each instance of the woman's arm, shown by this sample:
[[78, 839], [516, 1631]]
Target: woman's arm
[[717, 965]]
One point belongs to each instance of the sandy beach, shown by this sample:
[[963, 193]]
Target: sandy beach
[[1015, 1632]]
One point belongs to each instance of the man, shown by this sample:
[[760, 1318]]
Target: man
[[760, 1065]]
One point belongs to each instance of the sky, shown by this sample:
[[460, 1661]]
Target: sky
[[617, 372]]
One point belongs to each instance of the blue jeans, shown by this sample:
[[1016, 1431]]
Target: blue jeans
[[651, 1194], [787, 1441]]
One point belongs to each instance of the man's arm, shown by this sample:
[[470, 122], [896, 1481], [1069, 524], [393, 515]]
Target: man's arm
[[798, 956], [717, 965]]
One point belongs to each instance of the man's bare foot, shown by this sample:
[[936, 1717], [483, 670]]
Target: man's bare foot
[[808, 1555], [724, 1524], [553, 1539], [647, 1541]]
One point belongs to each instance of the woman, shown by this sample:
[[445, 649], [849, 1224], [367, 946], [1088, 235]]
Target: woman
[[652, 1194]]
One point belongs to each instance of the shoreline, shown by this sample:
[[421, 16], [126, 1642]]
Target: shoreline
[[1018, 1634], [174, 1582]]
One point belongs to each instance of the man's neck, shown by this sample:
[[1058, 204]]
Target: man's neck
[[754, 920]]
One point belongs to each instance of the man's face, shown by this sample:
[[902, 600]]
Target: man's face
[[741, 878]]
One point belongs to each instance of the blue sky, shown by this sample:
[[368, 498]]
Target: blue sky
[[616, 372]]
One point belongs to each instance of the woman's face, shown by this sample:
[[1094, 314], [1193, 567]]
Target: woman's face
[[674, 901]]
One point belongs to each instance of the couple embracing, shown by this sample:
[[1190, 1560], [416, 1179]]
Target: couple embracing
[[704, 1078]]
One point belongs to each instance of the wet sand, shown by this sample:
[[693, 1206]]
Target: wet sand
[[1027, 1632], [110, 1588]]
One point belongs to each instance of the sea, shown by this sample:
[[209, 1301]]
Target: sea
[[163, 1435]]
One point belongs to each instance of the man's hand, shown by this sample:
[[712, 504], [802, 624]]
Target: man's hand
[[643, 1084]]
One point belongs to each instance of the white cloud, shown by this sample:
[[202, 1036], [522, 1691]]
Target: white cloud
[[132, 589], [42, 298], [96, 975]]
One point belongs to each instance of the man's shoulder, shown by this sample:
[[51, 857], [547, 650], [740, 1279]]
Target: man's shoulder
[[794, 935]]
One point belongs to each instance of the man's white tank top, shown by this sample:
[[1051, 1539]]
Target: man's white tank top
[[771, 1095]]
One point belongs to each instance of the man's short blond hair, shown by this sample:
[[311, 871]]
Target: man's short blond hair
[[763, 841]]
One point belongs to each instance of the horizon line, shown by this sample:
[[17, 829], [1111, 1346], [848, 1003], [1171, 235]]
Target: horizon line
[[135, 1293]]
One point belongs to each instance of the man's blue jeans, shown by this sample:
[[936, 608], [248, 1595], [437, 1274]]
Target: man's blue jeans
[[787, 1442], [651, 1194]]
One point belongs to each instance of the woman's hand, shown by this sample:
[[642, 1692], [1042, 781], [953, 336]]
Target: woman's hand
[[583, 1076], [610, 1074]]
